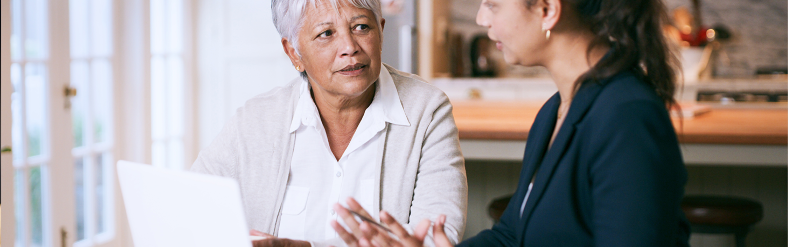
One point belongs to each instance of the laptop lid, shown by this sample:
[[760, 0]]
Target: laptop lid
[[177, 208]]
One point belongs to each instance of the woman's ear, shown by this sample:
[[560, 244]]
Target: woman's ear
[[551, 13], [292, 54], [382, 25]]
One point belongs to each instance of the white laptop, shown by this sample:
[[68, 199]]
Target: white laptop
[[176, 208]]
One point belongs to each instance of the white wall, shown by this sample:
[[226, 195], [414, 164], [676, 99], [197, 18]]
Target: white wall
[[239, 56]]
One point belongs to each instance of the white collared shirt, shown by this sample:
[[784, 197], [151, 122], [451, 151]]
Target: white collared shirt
[[317, 180]]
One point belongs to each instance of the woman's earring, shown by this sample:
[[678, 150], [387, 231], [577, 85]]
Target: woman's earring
[[298, 68], [547, 33]]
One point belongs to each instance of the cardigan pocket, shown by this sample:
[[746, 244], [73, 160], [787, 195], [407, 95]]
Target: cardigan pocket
[[293, 221]]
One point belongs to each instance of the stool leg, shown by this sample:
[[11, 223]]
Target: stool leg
[[741, 237]]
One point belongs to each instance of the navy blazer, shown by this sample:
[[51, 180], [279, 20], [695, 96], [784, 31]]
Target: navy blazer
[[614, 175]]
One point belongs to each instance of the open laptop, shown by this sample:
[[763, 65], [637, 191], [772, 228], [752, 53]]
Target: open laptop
[[176, 208]]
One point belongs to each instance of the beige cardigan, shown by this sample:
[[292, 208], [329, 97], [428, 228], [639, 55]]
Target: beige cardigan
[[423, 171]]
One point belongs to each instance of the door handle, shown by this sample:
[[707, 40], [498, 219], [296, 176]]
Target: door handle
[[63, 235], [69, 92]]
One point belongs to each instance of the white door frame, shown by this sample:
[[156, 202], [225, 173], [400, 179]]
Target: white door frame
[[6, 164], [60, 169]]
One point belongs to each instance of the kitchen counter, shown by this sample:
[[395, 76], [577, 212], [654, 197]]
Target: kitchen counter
[[497, 130], [541, 88]]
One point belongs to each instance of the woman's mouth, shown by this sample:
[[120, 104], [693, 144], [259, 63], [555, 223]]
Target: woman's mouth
[[353, 70]]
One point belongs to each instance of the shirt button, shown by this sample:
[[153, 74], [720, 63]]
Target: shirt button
[[339, 174], [333, 212]]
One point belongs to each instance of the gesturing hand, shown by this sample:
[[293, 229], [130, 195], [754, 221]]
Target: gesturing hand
[[365, 234], [271, 241]]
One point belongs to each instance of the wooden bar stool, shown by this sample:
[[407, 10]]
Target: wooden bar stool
[[722, 215]]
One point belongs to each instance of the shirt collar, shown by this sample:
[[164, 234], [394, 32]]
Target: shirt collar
[[385, 106], [389, 99]]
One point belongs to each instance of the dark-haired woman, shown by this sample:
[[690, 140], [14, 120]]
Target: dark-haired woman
[[602, 165]]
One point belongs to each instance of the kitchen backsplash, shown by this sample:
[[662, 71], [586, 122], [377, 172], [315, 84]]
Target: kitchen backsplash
[[759, 31]]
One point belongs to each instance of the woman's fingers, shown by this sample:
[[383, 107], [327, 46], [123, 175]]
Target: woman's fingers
[[356, 207], [349, 219], [349, 239], [376, 236], [395, 227], [422, 229], [438, 235], [254, 232], [263, 243], [258, 235]]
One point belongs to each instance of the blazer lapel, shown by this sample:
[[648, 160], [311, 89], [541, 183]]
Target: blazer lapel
[[580, 105], [536, 145], [538, 138]]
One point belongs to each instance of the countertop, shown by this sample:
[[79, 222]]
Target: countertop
[[511, 120], [541, 88]]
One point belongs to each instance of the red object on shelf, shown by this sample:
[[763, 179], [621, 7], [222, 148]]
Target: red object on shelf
[[699, 39]]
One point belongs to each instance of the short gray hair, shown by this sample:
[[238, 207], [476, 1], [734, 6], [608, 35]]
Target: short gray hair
[[288, 15]]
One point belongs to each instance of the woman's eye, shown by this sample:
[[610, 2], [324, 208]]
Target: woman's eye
[[361, 27], [325, 34]]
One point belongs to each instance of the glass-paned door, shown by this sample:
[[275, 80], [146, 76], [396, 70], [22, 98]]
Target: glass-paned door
[[91, 67], [62, 146], [30, 128], [167, 83]]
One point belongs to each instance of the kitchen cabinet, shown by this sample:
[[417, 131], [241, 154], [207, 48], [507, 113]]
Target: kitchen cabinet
[[433, 23]]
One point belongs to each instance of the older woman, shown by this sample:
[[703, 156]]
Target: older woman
[[349, 127]]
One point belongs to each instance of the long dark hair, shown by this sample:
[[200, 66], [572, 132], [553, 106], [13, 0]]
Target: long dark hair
[[633, 29]]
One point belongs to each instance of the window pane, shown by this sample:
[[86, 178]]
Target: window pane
[[16, 29], [35, 28], [100, 192], [174, 26], [175, 96], [35, 102], [79, 80], [79, 192], [79, 26], [158, 98], [101, 29], [16, 112], [101, 98], [36, 214], [19, 199], [157, 26]]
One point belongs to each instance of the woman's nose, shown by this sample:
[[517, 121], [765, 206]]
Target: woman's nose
[[348, 45], [481, 19]]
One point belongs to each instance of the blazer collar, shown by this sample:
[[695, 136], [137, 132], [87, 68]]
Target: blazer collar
[[540, 160]]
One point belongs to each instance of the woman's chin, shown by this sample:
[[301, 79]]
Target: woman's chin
[[355, 89]]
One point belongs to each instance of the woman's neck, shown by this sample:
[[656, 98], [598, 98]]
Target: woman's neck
[[342, 113], [569, 59], [341, 116]]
